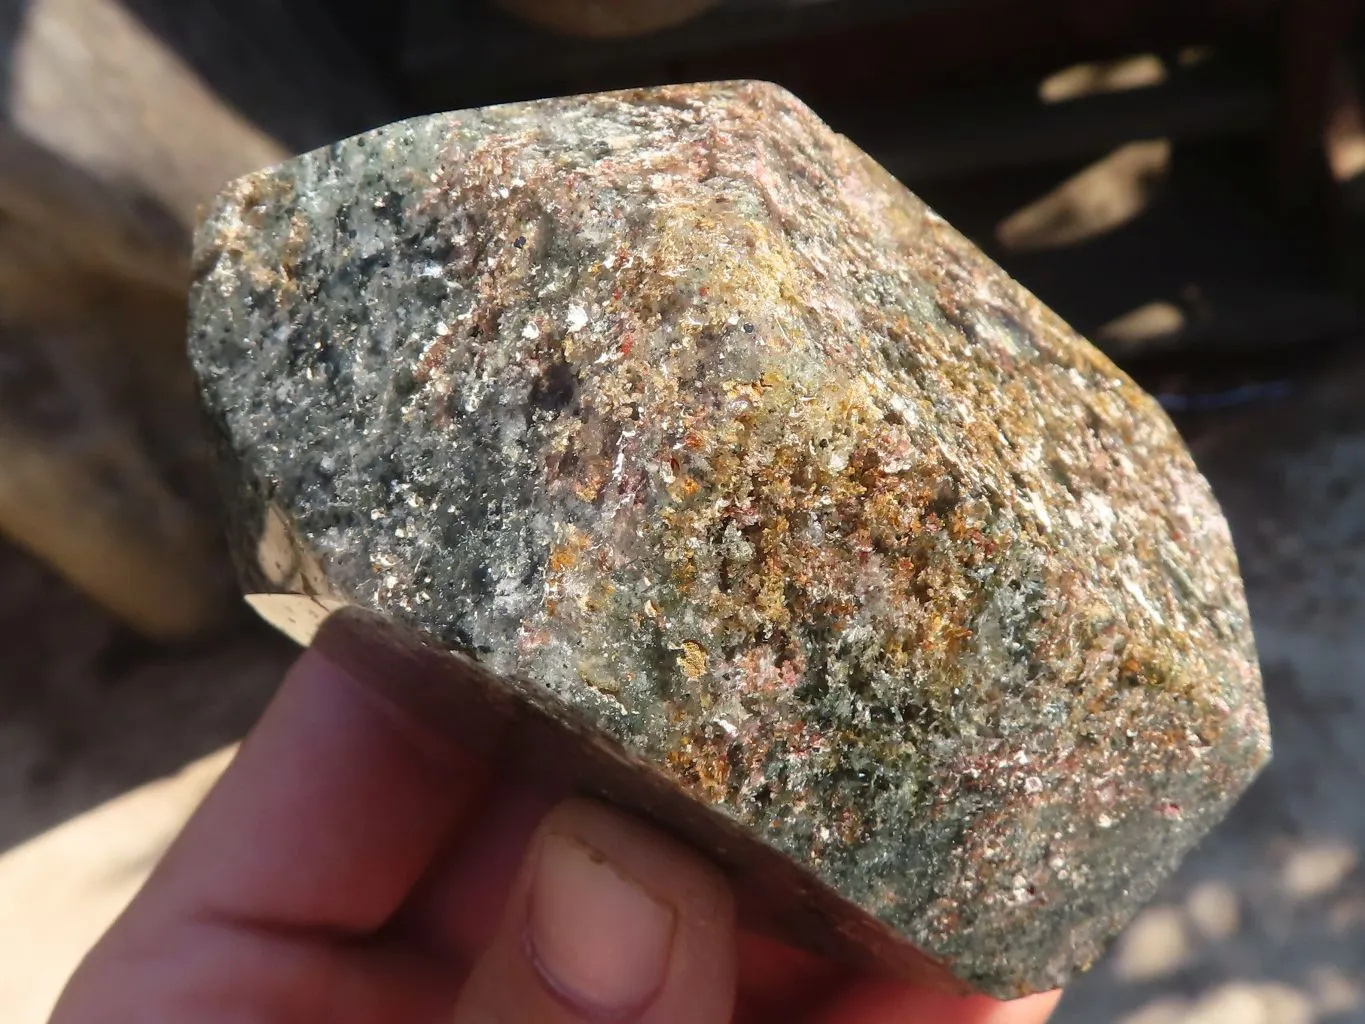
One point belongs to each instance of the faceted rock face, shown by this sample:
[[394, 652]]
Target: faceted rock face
[[711, 442]]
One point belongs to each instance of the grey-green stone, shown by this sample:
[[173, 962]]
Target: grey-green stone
[[717, 447]]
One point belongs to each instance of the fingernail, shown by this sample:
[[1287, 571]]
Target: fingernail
[[599, 939]]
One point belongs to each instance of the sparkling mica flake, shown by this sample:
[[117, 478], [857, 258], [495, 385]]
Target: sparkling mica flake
[[715, 446]]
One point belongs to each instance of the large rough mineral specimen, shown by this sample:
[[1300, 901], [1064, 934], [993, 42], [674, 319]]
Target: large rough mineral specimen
[[823, 541]]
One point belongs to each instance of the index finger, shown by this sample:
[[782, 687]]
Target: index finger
[[332, 810]]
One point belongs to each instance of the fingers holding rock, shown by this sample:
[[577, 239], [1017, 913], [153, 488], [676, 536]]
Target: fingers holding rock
[[608, 921]]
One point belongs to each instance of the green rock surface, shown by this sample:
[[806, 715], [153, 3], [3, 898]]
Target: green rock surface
[[708, 439]]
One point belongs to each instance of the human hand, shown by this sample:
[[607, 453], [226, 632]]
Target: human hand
[[354, 866]]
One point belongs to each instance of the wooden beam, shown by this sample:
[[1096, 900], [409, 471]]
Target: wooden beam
[[939, 137], [122, 117]]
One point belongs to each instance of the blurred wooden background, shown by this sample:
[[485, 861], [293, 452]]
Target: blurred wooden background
[[112, 138]]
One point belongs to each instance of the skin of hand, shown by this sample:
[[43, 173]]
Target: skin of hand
[[354, 865]]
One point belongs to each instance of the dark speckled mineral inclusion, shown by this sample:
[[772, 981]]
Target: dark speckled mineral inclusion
[[722, 453]]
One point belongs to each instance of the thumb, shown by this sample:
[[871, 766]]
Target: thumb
[[608, 920]]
